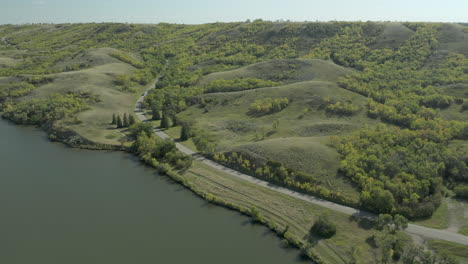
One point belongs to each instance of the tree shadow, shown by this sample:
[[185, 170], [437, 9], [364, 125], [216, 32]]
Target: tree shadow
[[371, 242], [363, 221]]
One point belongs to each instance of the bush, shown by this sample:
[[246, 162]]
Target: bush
[[340, 108], [137, 128], [323, 227], [238, 85], [464, 106], [268, 105], [461, 191]]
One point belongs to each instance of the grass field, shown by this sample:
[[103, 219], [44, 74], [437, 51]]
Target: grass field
[[459, 252], [286, 211]]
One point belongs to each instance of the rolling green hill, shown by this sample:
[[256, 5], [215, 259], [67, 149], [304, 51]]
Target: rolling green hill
[[372, 115], [287, 71]]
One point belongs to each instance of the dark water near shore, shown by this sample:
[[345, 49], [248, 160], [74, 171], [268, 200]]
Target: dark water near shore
[[64, 206]]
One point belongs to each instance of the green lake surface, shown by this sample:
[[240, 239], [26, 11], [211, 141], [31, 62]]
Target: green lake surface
[[60, 205]]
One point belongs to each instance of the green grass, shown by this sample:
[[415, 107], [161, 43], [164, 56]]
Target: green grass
[[454, 37], [299, 71], [454, 113], [458, 251], [458, 90], [301, 139], [91, 57], [393, 35], [463, 231], [438, 220], [309, 154], [8, 62], [287, 211], [97, 80]]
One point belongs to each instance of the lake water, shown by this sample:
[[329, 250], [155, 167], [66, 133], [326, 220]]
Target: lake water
[[63, 206]]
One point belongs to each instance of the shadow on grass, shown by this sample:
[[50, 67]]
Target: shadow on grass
[[362, 222]]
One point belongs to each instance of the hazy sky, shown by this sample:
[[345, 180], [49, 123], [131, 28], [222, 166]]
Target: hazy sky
[[203, 11]]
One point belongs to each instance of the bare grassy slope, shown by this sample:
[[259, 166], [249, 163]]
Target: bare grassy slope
[[296, 71], [393, 35]]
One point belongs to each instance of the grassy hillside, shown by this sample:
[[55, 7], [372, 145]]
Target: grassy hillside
[[392, 36], [301, 138], [287, 71]]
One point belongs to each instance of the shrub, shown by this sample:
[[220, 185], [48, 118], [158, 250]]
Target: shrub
[[137, 128], [464, 106], [340, 108], [238, 85], [461, 191], [268, 105], [323, 227]]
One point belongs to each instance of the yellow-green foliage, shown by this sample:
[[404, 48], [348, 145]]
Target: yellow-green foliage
[[126, 58], [400, 170], [268, 105], [54, 108], [342, 108], [124, 83], [347, 48], [277, 173], [15, 90]]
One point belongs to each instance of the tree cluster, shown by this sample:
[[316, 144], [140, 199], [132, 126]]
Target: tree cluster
[[342, 108], [399, 170], [120, 122], [151, 147], [268, 105]]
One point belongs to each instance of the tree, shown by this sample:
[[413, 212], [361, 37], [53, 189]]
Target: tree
[[388, 240], [137, 128], [186, 132], [323, 227], [125, 120], [165, 122], [119, 122], [131, 120], [276, 124], [391, 224], [155, 113], [114, 120]]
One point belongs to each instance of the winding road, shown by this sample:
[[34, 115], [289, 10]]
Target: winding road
[[412, 228]]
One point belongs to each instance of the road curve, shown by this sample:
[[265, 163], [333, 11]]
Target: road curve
[[412, 228]]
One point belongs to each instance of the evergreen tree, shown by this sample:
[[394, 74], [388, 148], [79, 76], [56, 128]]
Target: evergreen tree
[[119, 122], [114, 120], [173, 118], [131, 119], [185, 133], [125, 120], [165, 122], [155, 113]]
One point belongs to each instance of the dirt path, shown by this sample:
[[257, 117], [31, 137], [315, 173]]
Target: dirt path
[[412, 228]]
